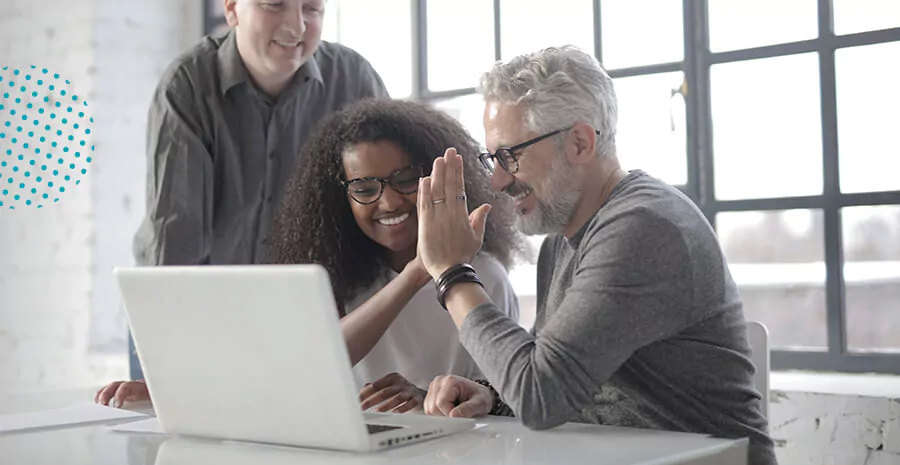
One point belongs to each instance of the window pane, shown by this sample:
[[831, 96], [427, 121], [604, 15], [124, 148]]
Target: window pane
[[389, 49], [868, 110], [456, 60], [777, 260], [872, 277], [468, 110], [651, 133], [330, 29], [767, 127], [530, 25], [865, 15], [641, 32], [735, 25]]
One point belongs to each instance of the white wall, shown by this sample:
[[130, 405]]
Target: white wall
[[60, 320]]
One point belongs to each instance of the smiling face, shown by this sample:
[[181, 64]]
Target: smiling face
[[545, 187], [275, 37], [391, 220]]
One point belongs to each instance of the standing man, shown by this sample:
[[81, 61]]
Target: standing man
[[638, 321], [225, 127]]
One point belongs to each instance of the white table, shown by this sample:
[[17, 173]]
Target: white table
[[503, 441]]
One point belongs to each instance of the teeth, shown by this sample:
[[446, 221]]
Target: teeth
[[287, 44], [393, 221], [522, 195]]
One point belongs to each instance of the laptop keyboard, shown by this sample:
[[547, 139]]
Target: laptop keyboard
[[374, 429]]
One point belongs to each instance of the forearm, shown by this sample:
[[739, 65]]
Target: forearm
[[541, 379], [462, 298], [363, 327]]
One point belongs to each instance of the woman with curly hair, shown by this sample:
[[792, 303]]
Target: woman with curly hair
[[350, 206]]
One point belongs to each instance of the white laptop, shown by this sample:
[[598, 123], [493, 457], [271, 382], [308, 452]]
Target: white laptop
[[255, 353]]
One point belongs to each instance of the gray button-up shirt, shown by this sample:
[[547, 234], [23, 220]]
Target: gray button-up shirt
[[220, 150]]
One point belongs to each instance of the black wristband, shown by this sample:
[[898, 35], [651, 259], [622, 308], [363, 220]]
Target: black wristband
[[456, 274], [498, 407]]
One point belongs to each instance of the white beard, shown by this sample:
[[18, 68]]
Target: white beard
[[558, 197]]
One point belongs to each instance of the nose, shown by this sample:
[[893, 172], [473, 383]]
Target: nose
[[500, 179], [391, 200], [296, 20]]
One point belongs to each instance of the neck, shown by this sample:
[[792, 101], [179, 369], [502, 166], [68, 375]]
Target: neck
[[593, 194], [271, 85], [398, 260]]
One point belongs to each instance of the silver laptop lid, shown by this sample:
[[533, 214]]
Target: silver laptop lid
[[245, 352]]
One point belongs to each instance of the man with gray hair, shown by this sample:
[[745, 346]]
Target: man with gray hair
[[638, 323]]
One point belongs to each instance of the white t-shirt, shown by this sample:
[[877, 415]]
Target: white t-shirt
[[423, 341]]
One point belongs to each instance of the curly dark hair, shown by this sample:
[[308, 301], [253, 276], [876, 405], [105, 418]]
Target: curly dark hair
[[314, 223]]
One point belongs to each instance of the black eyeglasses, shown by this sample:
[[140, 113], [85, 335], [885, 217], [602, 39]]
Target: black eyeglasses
[[368, 190], [508, 157]]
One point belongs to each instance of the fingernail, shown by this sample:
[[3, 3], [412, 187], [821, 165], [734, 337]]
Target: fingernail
[[118, 404]]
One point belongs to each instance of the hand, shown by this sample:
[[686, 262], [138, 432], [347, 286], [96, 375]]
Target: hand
[[122, 391], [391, 393], [454, 396], [448, 234]]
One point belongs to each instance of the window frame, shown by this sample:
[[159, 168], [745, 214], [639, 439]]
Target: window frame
[[700, 186]]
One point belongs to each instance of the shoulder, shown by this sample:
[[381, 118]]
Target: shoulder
[[643, 207], [334, 54], [185, 74], [347, 69]]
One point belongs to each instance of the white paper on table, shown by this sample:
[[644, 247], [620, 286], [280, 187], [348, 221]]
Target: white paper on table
[[148, 426], [69, 416]]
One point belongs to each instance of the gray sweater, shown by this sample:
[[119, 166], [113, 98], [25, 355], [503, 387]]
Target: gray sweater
[[638, 324]]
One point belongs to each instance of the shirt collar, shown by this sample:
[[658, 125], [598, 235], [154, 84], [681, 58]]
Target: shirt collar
[[232, 70]]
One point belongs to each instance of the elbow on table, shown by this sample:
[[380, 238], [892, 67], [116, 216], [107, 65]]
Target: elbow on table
[[537, 420]]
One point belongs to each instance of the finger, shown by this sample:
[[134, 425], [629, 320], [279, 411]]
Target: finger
[[471, 408], [478, 220], [430, 395], [108, 392], [389, 380], [438, 181], [407, 406], [446, 399], [460, 183], [367, 390], [425, 205], [131, 391], [452, 187], [97, 394], [380, 397], [395, 401]]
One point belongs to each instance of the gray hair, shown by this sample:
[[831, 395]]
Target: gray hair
[[558, 87]]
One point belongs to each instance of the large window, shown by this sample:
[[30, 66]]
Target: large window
[[781, 120]]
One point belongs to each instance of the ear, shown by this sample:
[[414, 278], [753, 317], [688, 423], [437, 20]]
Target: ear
[[231, 15], [581, 144]]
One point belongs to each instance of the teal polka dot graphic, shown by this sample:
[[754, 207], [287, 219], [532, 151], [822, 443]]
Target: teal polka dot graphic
[[43, 121]]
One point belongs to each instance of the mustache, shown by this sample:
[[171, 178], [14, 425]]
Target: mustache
[[517, 187]]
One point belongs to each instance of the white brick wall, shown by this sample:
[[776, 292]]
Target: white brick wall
[[60, 320], [822, 419]]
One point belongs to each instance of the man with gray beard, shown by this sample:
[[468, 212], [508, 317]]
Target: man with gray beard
[[638, 323]]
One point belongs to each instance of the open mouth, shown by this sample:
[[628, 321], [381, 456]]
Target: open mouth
[[394, 220], [288, 44], [521, 195]]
